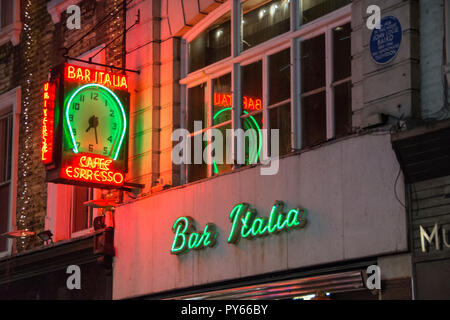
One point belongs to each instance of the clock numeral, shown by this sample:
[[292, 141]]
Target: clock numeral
[[114, 126], [81, 97], [91, 148], [105, 150], [78, 144], [111, 113], [110, 139], [106, 103], [74, 131], [70, 117], [94, 96], [76, 106]]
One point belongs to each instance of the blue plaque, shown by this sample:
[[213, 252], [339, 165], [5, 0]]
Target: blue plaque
[[385, 42]]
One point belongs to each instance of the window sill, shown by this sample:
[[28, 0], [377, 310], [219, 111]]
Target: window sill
[[11, 33]]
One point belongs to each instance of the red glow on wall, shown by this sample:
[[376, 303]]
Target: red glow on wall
[[48, 119], [93, 169], [88, 75], [249, 103]]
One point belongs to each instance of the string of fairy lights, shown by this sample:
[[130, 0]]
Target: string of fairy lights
[[26, 134]]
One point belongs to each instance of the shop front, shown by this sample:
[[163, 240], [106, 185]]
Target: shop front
[[312, 228]]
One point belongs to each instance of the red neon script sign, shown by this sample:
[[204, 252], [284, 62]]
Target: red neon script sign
[[48, 119], [96, 169], [88, 75], [249, 103]]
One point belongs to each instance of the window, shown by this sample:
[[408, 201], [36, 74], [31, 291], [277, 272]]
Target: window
[[7, 12], [6, 130], [213, 45], [263, 20], [278, 71], [313, 9], [82, 216]]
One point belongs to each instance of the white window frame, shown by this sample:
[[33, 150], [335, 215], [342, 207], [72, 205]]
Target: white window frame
[[12, 99], [12, 31], [237, 59]]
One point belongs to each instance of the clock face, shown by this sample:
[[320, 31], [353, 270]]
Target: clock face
[[96, 121]]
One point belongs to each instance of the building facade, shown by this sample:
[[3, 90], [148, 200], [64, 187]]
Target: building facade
[[321, 188]]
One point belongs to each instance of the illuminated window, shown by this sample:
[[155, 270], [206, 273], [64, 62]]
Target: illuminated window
[[278, 71], [313, 9], [212, 45], [6, 128], [263, 20]]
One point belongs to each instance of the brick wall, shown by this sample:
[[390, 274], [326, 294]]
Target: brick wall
[[27, 65]]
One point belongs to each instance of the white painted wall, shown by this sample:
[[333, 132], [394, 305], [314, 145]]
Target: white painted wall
[[347, 188]]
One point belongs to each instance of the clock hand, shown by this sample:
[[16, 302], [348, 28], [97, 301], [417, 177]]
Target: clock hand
[[96, 140]]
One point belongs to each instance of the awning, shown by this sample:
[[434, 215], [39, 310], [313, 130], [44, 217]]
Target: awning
[[332, 283], [424, 152]]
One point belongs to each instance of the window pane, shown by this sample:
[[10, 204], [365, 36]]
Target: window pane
[[197, 171], [313, 9], [219, 168], [263, 22], [342, 52], [196, 106], [222, 99], [280, 118], [313, 63], [343, 109], [314, 119], [5, 148], [81, 214], [4, 215], [279, 76], [251, 77], [252, 126], [7, 12], [212, 45]]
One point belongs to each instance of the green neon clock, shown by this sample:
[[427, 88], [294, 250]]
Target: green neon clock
[[96, 121]]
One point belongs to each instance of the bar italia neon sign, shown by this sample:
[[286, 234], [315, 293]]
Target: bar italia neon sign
[[245, 225]]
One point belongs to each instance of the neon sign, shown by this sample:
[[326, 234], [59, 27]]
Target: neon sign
[[187, 239], [249, 103], [98, 169], [87, 75], [48, 112], [245, 224]]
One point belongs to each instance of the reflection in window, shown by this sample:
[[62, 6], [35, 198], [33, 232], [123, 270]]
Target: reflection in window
[[280, 118], [196, 112], [313, 9], [212, 45], [279, 76], [222, 111], [313, 98], [263, 20], [196, 106], [342, 80]]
